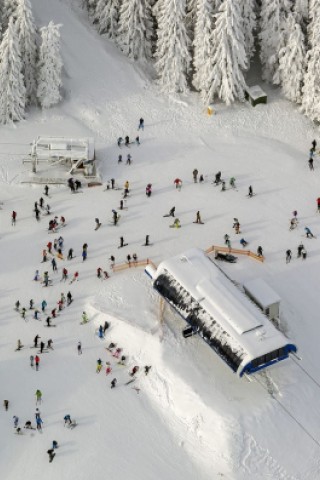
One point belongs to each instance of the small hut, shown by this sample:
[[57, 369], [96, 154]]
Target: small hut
[[255, 95]]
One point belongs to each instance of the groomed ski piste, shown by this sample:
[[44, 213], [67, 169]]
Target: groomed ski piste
[[190, 417]]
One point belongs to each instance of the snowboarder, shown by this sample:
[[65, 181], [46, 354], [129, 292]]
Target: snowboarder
[[293, 223], [6, 404], [99, 272], [19, 345], [126, 141], [137, 140], [31, 360], [195, 175], [46, 191], [237, 227], [178, 183], [120, 142], [288, 256], [135, 258], [217, 178], [100, 332], [115, 217], [64, 275], [171, 212], [318, 204], [147, 244], [232, 182], [122, 244], [198, 217], [149, 190], [223, 186], [112, 260], [250, 191], [31, 304], [147, 369], [23, 313], [70, 254], [129, 259], [42, 345], [39, 423], [106, 326], [176, 224], [79, 348], [37, 361], [121, 205], [259, 251], [49, 344], [13, 218], [38, 398], [304, 253], [129, 159], [309, 234], [201, 178], [15, 421], [113, 383], [243, 242], [119, 160], [35, 341], [141, 124], [17, 305], [67, 420], [54, 444], [112, 183], [36, 314]]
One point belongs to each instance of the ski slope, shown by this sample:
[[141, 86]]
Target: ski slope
[[192, 417]]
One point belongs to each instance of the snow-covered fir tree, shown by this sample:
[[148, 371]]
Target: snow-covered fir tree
[[135, 29], [229, 59], [301, 11], [311, 86], [49, 66], [9, 8], [172, 49], [191, 15], [108, 22], [26, 32], [272, 36], [249, 25], [292, 61], [12, 89], [202, 46]]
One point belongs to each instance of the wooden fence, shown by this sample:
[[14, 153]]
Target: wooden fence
[[126, 265], [236, 251]]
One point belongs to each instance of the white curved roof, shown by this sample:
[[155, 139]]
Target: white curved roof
[[231, 309]]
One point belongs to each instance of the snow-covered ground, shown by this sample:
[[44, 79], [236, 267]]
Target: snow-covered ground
[[193, 418]]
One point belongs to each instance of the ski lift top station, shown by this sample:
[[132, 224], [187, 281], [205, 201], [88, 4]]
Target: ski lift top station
[[220, 312]]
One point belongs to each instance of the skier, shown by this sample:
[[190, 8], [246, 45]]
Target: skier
[[314, 144], [115, 217], [39, 423], [36, 314], [48, 209], [129, 259], [46, 191], [119, 160], [112, 260], [69, 298], [310, 162], [13, 218], [42, 345], [98, 224], [120, 142], [309, 234], [147, 244], [84, 254], [48, 320], [300, 248], [318, 204], [77, 184], [147, 369], [17, 305], [108, 368], [121, 205], [99, 271], [259, 251], [304, 253], [232, 182], [70, 254], [223, 186], [79, 348], [226, 239], [129, 159], [195, 175], [53, 313], [137, 140], [36, 277], [288, 256], [84, 317], [37, 361], [49, 344], [6, 404], [237, 227], [23, 313], [112, 183], [243, 242], [31, 360], [141, 124], [54, 445], [46, 279], [121, 242], [113, 383], [201, 179], [51, 454], [99, 365], [149, 190], [106, 326], [64, 275], [35, 341], [217, 178], [250, 191], [178, 183], [49, 247], [100, 332], [135, 258], [15, 421], [44, 256], [134, 371], [293, 223], [126, 141], [38, 398]]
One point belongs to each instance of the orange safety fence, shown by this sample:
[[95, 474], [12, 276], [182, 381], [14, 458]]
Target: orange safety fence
[[237, 251], [126, 265]]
